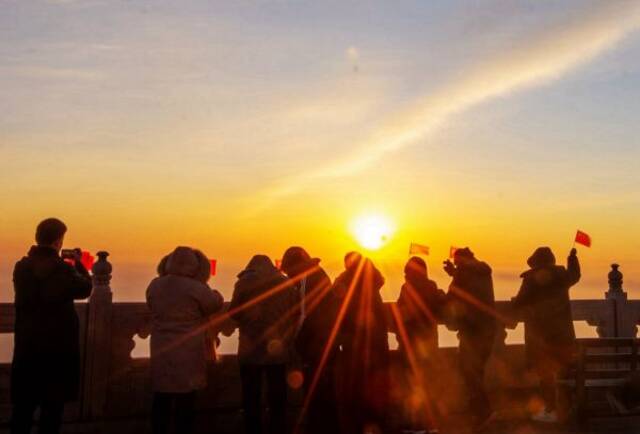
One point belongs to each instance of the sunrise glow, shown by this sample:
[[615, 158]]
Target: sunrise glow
[[170, 124], [372, 231]]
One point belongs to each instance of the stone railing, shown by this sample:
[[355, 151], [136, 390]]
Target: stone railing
[[115, 392]]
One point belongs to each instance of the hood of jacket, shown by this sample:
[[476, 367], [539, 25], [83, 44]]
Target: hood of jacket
[[296, 260], [541, 258], [182, 262], [259, 265]]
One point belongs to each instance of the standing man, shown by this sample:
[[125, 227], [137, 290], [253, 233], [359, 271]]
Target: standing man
[[471, 305], [364, 360], [45, 372], [420, 305], [319, 309], [549, 336]]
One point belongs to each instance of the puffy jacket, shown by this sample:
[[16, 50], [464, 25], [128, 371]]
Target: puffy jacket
[[180, 304], [264, 304], [545, 303]]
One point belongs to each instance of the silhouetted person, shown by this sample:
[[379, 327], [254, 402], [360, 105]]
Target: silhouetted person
[[364, 358], [319, 309], [472, 303], [420, 306], [46, 359], [549, 334], [262, 305], [180, 302]]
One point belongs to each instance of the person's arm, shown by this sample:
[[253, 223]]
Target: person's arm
[[573, 268], [402, 301], [448, 310], [524, 295], [69, 282], [237, 301], [82, 283], [209, 300], [436, 300], [148, 294]]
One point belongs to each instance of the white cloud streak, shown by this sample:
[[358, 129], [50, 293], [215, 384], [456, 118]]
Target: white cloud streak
[[50, 73], [539, 60]]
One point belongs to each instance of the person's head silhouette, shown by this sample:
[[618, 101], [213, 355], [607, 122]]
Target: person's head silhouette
[[542, 257], [463, 256], [50, 233], [415, 268], [352, 260], [296, 260]]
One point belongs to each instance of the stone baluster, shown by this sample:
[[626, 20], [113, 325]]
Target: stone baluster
[[98, 347], [626, 312]]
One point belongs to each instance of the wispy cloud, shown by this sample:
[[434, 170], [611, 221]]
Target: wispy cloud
[[540, 59], [52, 73]]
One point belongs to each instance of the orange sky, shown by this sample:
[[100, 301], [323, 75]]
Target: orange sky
[[501, 127]]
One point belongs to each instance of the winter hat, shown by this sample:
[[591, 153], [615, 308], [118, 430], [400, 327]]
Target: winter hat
[[297, 258]]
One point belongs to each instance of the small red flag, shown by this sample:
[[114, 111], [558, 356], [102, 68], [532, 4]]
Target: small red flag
[[452, 251], [87, 260], [279, 264], [213, 264], [583, 238]]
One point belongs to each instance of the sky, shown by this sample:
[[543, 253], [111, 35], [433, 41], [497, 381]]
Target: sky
[[246, 127]]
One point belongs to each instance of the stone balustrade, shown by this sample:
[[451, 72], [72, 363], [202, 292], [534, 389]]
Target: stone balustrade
[[115, 392]]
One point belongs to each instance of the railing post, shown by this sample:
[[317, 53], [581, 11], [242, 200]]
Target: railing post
[[625, 316], [98, 348]]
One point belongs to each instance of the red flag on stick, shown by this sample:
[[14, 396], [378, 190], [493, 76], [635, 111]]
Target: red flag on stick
[[213, 264], [583, 238], [418, 249]]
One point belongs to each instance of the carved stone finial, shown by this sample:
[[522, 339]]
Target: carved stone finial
[[102, 270], [615, 279]]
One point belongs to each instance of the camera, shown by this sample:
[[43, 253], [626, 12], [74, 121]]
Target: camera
[[71, 253]]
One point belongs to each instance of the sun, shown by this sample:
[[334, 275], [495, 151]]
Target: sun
[[372, 231]]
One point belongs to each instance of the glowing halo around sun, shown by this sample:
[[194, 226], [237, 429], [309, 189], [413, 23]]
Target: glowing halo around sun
[[372, 231]]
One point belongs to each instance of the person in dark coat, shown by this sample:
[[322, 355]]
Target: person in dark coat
[[549, 334], [318, 311], [420, 306], [262, 297], [45, 372], [364, 358], [471, 307]]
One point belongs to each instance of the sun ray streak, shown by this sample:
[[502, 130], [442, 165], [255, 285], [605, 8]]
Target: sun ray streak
[[422, 306], [329, 345], [411, 356], [465, 296], [317, 296]]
